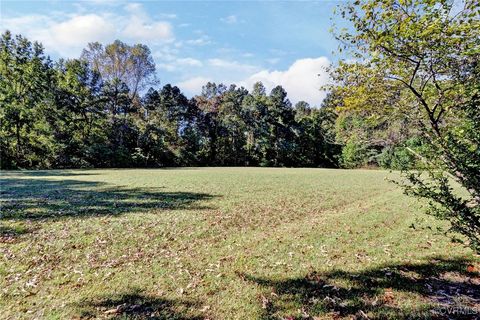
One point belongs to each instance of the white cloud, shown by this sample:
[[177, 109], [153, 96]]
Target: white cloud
[[141, 27], [67, 34], [232, 65], [67, 37], [165, 53], [133, 7], [302, 80], [214, 70], [232, 19], [190, 62], [194, 85], [81, 29]]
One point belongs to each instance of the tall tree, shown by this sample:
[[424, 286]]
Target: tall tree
[[281, 120], [431, 49], [118, 61], [121, 129], [209, 104], [26, 77], [232, 127], [315, 139], [169, 125], [79, 118], [255, 115]]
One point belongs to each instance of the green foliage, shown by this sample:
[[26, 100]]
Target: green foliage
[[26, 79], [88, 112], [118, 61], [458, 158], [354, 154], [425, 53], [78, 118], [315, 135], [401, 157]]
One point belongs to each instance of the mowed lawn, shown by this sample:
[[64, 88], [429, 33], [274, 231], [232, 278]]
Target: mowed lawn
[[224, 243]]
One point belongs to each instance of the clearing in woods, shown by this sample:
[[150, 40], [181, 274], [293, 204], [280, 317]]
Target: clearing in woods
[[224, 243]]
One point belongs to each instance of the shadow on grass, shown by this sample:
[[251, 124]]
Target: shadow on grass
[[136, 305], [49, 199], [9, 234], [47, 173], [447, 290]]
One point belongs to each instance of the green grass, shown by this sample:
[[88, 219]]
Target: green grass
[[223, 243]]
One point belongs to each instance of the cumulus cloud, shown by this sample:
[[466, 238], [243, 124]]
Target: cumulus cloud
[[232, 65], [302, 80], [66, 37], [81, 29], [194, 85], [67, 34], [214, 70]]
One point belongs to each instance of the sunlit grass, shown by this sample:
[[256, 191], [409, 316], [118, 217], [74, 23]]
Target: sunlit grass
[[221, 243]]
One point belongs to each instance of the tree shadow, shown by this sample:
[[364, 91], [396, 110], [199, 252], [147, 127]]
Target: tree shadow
[[39, 199], [47, 173], [136, 305], [9, 234], [446, 288]]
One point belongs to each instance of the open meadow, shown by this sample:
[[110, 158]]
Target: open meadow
[[224, 243]]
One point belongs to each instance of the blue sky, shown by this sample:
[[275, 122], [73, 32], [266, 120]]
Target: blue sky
[[192, 42]]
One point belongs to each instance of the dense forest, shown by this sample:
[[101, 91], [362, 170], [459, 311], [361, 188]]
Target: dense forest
[[107, 109]]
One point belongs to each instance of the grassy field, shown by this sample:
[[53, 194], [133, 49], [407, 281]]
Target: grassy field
[[224, 243]]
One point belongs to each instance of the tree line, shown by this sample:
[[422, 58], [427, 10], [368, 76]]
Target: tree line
[[105, 110]]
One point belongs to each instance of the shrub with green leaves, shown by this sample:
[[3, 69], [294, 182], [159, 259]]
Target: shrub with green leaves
[[428, 53]]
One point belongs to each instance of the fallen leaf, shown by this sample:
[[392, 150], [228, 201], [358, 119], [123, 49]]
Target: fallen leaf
[[265, 302], [361, 315], [205, 309], [388, 296], [111, 311]]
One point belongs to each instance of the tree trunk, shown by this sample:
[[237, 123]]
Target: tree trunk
[[17, 149]]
